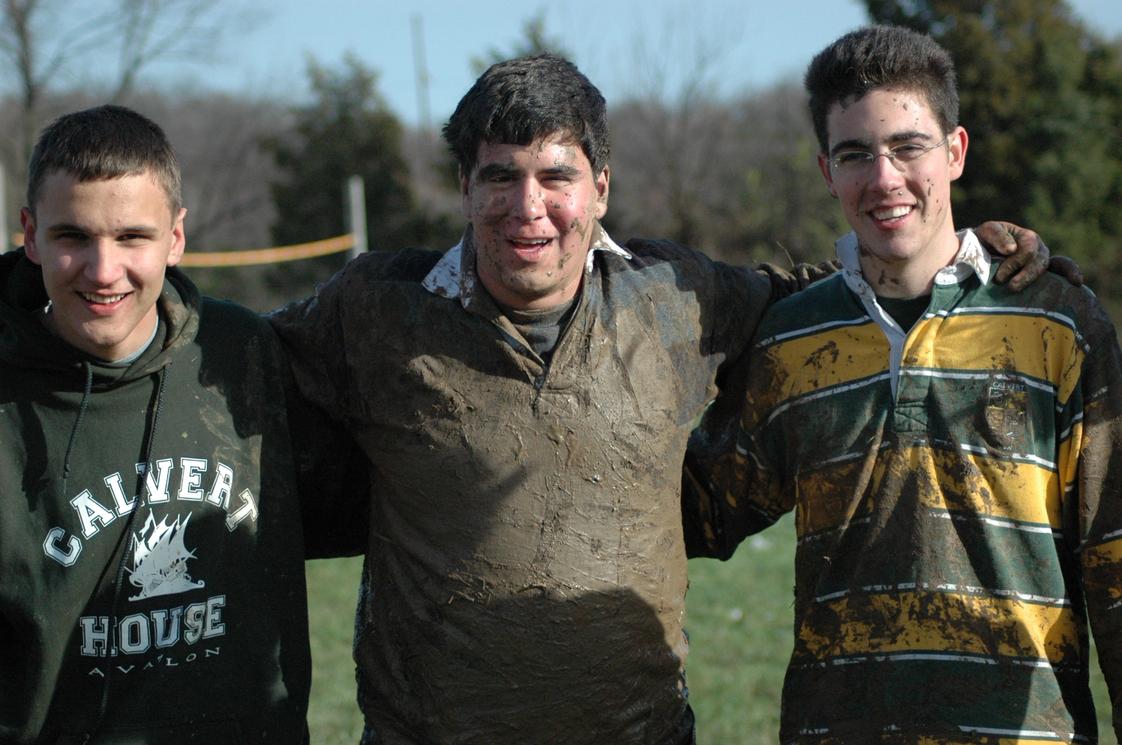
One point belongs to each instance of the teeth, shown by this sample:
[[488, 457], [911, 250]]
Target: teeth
[[891, 212], [541, 242], [100, 299]]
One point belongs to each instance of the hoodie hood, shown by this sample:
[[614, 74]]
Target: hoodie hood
[[26, 342]]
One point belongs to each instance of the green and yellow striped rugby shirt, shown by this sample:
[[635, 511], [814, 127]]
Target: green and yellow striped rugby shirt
[[957, 499]]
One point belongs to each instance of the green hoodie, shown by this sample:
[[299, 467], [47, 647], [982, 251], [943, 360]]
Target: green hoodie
[[151, 563]]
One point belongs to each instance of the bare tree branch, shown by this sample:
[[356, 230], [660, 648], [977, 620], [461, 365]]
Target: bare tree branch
[[681, 126], [44, 43], [158, 30]]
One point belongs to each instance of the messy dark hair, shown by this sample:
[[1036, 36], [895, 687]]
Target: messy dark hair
[[522, 100], [881, 57], [102, 143]]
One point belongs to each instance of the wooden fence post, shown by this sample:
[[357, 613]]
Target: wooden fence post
[[5, 246], [356, 215]]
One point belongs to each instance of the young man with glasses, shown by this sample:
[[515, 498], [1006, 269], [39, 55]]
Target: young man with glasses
[[949, 446]]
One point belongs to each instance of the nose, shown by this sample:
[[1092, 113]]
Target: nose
[[885, 173], [103, 262], [530, 200]]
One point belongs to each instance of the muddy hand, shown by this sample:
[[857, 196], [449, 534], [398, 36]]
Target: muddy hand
[[1066, 267], [1026, 256]]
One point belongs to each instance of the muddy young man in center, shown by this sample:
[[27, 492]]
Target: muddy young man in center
[[525, 400], [951, 448]]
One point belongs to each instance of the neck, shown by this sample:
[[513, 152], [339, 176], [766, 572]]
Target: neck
[[912, 276], [150, 323]]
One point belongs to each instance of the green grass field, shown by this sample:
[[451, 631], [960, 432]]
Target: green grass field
[[740, 636]]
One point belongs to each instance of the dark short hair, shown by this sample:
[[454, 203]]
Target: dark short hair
[[101, 143], [522, 100], [881, 57]]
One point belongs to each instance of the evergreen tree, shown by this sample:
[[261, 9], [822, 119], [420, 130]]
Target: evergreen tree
[[347, 129]]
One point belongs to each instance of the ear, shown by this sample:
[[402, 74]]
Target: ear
[[824, 167], [957, 142], [603, 182], [30, 247], [465, 193], [179, 239]]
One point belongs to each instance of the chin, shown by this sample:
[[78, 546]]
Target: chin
[[890, 251]]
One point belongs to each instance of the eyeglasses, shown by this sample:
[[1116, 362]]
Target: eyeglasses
[[857, 162]]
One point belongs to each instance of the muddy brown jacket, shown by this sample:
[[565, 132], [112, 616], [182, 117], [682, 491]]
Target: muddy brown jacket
[[525, 576]]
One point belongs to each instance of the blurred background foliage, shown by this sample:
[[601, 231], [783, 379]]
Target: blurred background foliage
[[734, 176]]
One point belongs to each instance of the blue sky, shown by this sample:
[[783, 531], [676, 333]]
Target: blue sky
[[621, 44]]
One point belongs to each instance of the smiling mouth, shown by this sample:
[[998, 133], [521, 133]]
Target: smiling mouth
[[530, 244], [529, 250], [96, 299], [892, 213]]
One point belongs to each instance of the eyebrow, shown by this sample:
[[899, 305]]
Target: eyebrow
[[65, 227], [895, 137], [496, 169], [491, 170], [562, 170]]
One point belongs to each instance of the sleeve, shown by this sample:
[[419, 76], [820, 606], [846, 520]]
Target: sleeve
[[739, 299], [332, 472], [730, 485], [312, 335], [1094, 456], [333, 482]]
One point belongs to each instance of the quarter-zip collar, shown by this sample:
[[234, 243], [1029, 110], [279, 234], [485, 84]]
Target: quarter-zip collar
[[454, 276]]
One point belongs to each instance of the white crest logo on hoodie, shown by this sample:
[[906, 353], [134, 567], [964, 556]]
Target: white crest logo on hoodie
[[159, 559]]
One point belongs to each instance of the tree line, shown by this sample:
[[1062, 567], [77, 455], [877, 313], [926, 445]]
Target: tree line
[[736, 177]]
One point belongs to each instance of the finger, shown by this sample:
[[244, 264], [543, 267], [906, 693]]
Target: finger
[[1066, 268], [1035, 264], [1011, 242], [1012, 266], [1025, 262], [998, 236]]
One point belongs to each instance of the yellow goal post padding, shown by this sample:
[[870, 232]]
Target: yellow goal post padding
[[269, 255], [259, 255]]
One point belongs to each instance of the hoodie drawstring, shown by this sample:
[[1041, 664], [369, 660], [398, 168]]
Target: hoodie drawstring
[[77, 424], [157, 408]]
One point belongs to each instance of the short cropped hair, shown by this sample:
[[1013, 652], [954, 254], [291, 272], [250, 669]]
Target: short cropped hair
[[881, 57], [522, 100], [104, 142]]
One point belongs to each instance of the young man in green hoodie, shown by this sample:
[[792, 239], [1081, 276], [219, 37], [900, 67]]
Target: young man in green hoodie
[[151, 547]]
